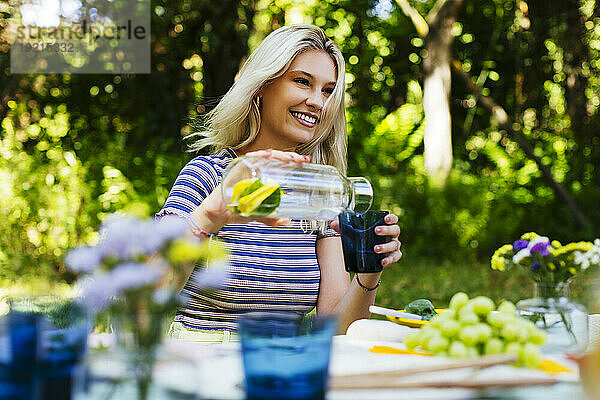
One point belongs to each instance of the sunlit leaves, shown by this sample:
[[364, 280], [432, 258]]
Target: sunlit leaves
[[43, 193], [398, 136], [493, 75], [119, 194], [417, 42], [457, 28], [556, 101], [467, 38], [414, 58]]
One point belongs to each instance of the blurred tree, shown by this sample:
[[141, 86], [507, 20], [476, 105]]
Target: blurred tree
[[530, 81], [436, 31]]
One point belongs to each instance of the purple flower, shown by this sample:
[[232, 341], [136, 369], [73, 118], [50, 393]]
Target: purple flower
[[209, 277], [134, 275], [122, 237], [97, 292], [100, 290], [162, 296], [520, 244], [83, 259], [171, 227], [535, 266], [541, 248], [125, 237]]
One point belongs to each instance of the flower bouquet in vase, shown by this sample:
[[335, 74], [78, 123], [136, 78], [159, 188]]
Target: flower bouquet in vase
[[552, 266], [133, 277]]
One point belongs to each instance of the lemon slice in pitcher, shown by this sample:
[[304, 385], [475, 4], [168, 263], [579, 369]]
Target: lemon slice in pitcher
[[269, 205], [249, 203], [240, 188]]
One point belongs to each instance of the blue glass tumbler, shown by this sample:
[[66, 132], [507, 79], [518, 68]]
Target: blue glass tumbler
[[283, 358], [37, 357], [19, 350], [359, 239], [62, 350]]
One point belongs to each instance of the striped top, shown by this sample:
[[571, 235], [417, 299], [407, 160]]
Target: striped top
[[270, 268]]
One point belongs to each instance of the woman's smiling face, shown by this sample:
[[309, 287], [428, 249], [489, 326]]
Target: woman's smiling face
[[292, 105]]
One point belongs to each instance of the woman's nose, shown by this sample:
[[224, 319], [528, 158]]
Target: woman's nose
[[316, 100]]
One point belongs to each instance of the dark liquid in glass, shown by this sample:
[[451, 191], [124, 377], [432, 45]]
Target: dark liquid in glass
[[359, 240]]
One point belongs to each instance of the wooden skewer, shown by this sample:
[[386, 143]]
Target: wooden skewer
[[393, 383], [393, 378], [479, 362]]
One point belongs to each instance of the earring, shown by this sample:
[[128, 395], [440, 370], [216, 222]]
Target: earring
[[258, 101]]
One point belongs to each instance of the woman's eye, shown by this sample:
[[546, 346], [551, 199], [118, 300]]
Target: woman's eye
[[302, 81], [328, 90]]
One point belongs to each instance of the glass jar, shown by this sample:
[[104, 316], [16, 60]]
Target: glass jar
[[310, 191], [140, 374], [564, 321]]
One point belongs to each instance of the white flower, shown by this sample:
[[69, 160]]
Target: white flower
[[589, 258], [523, 253], [125, 237], [585, 265]]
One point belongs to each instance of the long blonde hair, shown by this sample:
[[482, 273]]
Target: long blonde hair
[[235, 121]]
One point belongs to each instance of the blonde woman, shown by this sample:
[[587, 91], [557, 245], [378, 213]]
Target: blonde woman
[[287, 103]]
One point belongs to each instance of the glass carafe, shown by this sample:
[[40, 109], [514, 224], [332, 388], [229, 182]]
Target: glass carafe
[[310, 191]]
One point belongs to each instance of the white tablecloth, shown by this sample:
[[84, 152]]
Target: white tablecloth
[[221, 374]]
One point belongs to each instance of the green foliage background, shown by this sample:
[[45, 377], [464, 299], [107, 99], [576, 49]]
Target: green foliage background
[[74, 148]]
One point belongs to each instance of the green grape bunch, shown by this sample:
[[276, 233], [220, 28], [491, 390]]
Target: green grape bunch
[[474, 327]]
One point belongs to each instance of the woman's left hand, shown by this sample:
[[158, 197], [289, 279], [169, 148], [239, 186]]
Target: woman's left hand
[[392, 247]]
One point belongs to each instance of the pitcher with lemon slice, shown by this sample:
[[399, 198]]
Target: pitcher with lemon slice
[[254, 186]]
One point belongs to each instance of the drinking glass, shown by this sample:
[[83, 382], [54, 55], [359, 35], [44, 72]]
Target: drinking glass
[[42, 338], [359, 239], [284, 356], [19, 354]]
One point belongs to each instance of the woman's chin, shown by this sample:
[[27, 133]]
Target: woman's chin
[[305, 136]]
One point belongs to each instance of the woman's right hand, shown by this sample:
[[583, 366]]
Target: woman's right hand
[[288, 156], [212, 214]]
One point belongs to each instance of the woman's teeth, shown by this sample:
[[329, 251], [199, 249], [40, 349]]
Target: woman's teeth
[[304, 117]]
